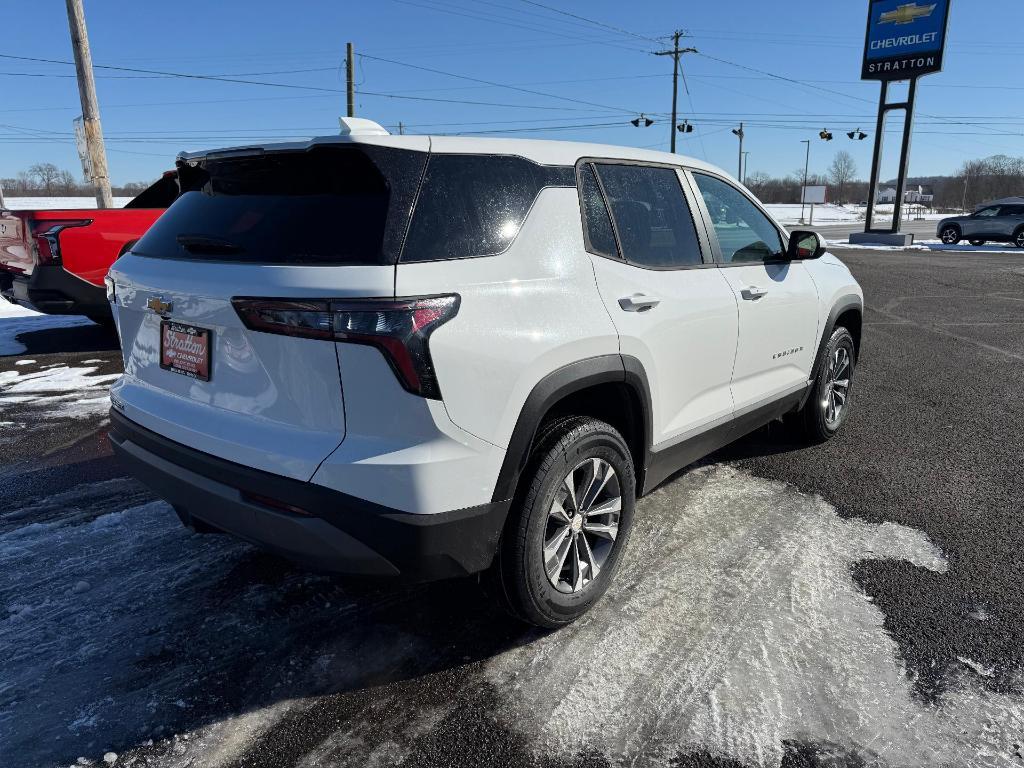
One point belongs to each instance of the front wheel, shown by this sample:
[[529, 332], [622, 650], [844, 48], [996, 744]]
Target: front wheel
[[829, 403], [950, 235], [1018, 238], [566, 533]]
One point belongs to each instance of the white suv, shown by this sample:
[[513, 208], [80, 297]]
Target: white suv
[[432, 357]]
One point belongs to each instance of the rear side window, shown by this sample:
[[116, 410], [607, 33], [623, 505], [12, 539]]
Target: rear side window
[[474, 205], [652, 218], [327, 205], [598, 224]]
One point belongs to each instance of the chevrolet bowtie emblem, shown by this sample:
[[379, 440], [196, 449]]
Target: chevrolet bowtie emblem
[[907, 14], [158, 305]]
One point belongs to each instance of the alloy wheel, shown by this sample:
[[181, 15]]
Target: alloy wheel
[[1019, 239], [837, 387], [582, 525], [950, 235]]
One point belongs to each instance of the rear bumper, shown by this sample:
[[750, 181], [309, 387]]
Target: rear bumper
[[55, 291], [338, 532]]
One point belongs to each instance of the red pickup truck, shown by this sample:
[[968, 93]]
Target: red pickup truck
[[54, 261]]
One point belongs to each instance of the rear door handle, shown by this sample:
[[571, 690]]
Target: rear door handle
[[753, 293], [639, 302]]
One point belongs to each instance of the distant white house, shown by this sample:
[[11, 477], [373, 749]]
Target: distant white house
[[920, 194], [887, 195]]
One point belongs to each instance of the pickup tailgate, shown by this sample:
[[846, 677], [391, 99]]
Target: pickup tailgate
[[15, 249]]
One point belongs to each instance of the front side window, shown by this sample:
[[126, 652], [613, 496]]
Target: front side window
[[651, 215], [744, 233], [987, 212], [474, 205]]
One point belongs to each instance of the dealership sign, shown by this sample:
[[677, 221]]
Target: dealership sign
[[904, 40]]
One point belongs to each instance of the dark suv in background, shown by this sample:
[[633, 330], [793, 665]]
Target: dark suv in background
[[1003, 223]]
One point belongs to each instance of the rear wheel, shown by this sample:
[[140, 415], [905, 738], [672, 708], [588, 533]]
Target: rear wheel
[[829, 404], [1018, 238], [950, 235], [565, 535], [976, 242]]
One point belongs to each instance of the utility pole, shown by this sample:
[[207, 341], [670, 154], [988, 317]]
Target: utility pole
[[746, 167], [675, 54], [2, 203], [739, 133], [401, 128], [807, 165], [350, 73], [90, 107]]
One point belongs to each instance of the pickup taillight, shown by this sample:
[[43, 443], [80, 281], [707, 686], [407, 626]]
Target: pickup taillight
[[399, 328], [46, 238]]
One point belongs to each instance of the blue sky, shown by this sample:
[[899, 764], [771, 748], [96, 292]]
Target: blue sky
[[970, 110]]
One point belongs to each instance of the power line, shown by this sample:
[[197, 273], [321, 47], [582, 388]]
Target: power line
[[592, 21], [497, 85]]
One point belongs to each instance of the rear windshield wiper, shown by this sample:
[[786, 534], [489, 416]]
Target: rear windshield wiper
[[207, 244]]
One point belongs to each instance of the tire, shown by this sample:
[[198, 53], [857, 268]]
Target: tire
[[815, 422], [976, 242], [950, 235], [1018, 238], [533, 586]]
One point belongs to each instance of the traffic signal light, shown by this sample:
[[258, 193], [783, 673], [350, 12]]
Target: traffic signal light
[[857, 135], [685, 127], [644, 119], [826, 134]]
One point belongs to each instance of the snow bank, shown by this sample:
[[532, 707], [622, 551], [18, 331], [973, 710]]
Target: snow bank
[[54, 203], [31, 401], [929, 245], [16, 320]]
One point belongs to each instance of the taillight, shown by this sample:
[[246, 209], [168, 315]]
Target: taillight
[[399, 328], [46, 237]]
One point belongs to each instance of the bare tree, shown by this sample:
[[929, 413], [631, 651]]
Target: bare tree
[[842, 171], [46, 176]]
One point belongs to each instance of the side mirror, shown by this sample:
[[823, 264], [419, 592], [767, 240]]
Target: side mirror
[[805, 244]]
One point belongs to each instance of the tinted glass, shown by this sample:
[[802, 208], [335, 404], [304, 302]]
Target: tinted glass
[[651, 216], [595, 215], [160, 194], [1013, 210], [744, 233], [474, 205], [988, 212], [328, 205]]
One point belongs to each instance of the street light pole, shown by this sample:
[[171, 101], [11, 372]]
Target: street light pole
[[746, 166], [739, 132], [803, 192]]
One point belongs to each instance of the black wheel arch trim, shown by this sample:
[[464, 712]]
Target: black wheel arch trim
[[844, 304], [557, 385]]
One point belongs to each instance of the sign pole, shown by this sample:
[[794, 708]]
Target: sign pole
[[876, 159], [901, 184]]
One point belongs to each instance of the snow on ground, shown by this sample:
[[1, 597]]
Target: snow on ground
[[30, 401], [16, 320], [54, 203], [790, 213], [734, 627], [930, 245]]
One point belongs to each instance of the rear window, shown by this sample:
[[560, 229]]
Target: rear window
[[474, 205], [327, 205]]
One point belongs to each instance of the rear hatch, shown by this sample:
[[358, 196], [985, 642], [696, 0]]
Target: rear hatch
[[321, 222]]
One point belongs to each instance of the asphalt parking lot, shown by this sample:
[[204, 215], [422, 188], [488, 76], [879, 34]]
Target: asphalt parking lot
[[853, 604]]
